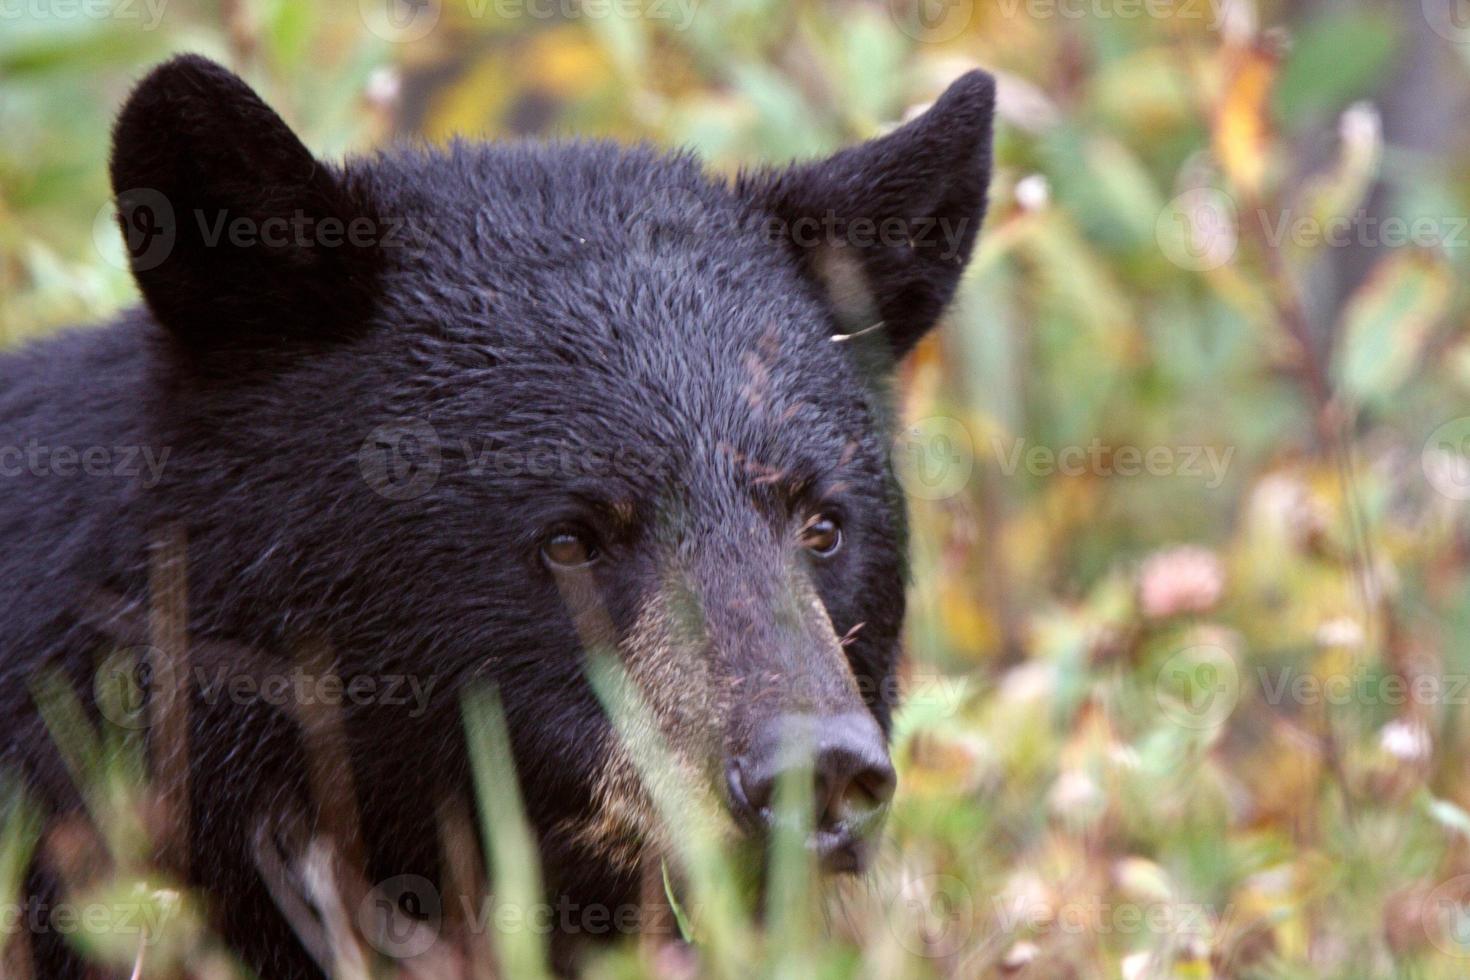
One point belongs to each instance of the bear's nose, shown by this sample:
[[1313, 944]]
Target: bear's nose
[[853, 781]]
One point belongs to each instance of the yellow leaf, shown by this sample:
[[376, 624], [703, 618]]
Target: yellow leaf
[[473, 104], [567, 62], [965, 621], [1242, 133]]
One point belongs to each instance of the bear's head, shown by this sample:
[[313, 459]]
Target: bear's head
[[470, 414]]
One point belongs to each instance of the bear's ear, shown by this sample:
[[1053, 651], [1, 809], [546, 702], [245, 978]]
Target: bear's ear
[[236, 235], [901, 211]]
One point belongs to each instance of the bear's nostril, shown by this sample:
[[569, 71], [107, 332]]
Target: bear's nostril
[[867, 792], [752, 814], [846, 758], [854, 787]]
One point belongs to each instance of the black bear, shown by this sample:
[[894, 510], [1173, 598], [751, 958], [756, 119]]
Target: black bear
[[431, 418]]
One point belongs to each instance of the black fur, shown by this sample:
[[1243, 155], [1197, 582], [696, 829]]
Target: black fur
[[600, 304]]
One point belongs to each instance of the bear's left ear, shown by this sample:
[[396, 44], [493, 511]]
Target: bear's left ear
[[238, 237], [903, 211]]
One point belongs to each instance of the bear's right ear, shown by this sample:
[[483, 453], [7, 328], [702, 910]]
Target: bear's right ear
[[237, 236], [888, 226]]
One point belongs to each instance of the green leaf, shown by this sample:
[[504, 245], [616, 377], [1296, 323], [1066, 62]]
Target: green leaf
[[1337, 58], [1387, 323], [872, 66], [787, 127], [515, 864], [681, 917]]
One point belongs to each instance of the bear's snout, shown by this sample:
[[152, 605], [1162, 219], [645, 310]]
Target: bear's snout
[[853, 780]]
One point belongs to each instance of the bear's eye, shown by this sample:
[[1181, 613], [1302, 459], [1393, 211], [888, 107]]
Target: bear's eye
[[822, 536], [569, 547]]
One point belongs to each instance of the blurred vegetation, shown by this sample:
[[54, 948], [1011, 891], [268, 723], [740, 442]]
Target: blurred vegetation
[[1190, 622]]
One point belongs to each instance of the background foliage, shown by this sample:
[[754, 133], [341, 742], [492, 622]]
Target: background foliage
[[1189, 465]]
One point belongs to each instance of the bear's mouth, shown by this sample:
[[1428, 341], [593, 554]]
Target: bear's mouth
[[844, 846], [839, 762]]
